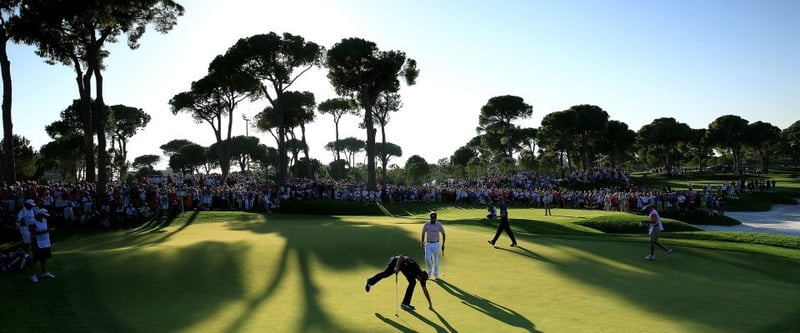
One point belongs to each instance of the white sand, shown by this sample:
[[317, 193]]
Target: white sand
[[781, 219]]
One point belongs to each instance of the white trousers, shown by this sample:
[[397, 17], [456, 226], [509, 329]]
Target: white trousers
[[432, 258]]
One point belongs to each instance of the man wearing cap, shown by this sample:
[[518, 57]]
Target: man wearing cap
[[654, 231], [41, 251], [25, 218], [432, 230]]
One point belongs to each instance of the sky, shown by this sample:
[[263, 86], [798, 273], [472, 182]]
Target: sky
[[638, 60]]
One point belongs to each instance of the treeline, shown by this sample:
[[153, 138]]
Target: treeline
[[264, 68]]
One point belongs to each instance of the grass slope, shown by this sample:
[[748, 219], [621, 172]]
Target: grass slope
[[239, 272]]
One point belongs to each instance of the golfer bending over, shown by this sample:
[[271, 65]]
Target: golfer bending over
[[412, 271]]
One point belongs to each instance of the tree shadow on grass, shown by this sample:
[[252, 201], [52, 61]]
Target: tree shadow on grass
[[611, 266], [401, 209], [142, 236], [277, 273], [158, 224], [329, 241], [489, 308], [524, 226], [188, 292], [786, 324]]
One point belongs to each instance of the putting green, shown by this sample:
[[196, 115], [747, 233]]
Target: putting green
[[306, 274]]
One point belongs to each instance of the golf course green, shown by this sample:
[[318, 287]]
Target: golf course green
[[252, 272]]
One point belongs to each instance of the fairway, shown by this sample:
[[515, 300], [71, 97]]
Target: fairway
[[289, 273]]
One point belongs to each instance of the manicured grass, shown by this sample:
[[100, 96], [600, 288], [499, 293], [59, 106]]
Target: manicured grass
[[784, 179], [246, 272], [748, 202], [788, 188]]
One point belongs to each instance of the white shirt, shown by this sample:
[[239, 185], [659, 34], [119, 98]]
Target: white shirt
[[42, 240], [432, 230], [25, 218], [658, 224]]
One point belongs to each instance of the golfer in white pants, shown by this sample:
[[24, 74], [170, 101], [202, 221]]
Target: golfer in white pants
[[431, 231]]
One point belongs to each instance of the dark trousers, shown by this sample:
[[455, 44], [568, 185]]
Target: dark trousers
[[504, 226], [408, 273]]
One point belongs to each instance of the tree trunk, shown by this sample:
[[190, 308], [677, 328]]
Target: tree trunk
[[226, 149], [612, 160], [509, 151], [9, 166], [224, 162], [384, 156], [371, 131], [283, 163], [764, 161], [86, 119], [99, 115], [123, 166], [369, 124], [336, 146], [305, 148], [224, 167], [584, 152]]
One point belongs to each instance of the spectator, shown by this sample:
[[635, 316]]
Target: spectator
[[41, 250]]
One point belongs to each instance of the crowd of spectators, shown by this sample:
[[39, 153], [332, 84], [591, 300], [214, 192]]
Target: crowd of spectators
[[122, 204]]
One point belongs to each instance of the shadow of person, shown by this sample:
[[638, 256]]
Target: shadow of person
[[436, 326], [393, 323], [444, 321], [524, 251], [489, 308]]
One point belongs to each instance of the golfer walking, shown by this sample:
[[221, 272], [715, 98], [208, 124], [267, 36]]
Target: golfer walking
[[504, 225], [654, 231], [431, 230], [411, 271]]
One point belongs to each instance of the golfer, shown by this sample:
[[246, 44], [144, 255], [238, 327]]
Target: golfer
[[432, 230], [412, 272], [655, 227], [504, 225]]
